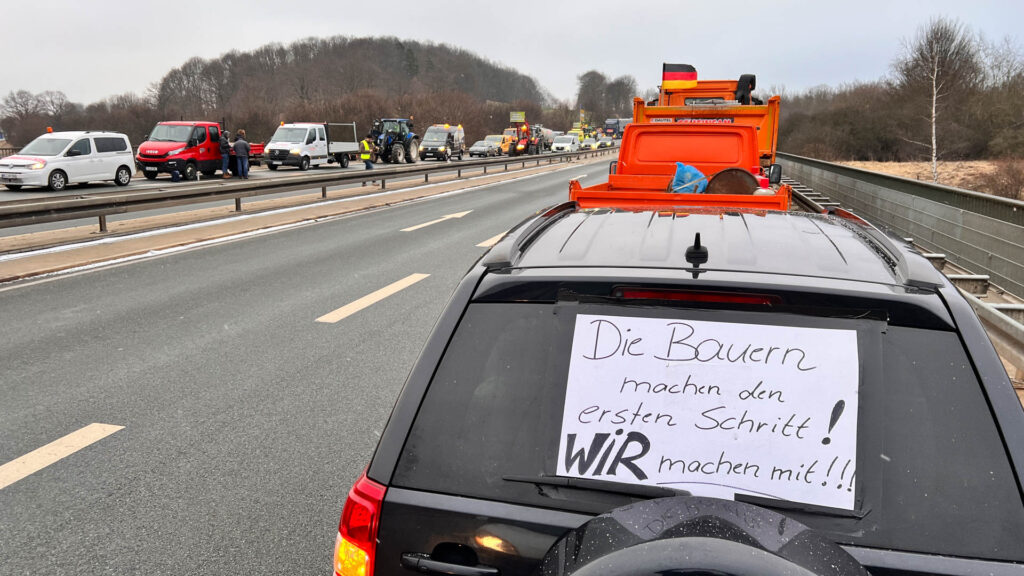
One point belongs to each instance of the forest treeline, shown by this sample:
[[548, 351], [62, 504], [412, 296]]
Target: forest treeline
[[951, 95], [337, 79]]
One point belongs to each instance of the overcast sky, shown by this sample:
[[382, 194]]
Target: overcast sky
[[92, 50]]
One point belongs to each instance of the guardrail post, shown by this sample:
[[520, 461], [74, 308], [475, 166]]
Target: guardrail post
[[323, 192], [426, 178], [103, 222], [383, 184], [238, 204], [459, 172], [485, 169]]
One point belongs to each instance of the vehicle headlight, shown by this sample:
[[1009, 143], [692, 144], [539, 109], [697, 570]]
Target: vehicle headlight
[[178, 151], [421, 147], [520, 147], [38, 165], [295, 151], [441, 149]]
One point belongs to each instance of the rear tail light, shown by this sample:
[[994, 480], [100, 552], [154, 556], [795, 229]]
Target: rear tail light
[[356, 545], [699, 296]]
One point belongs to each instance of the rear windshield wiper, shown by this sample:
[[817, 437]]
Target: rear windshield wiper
[[800, 506], [595, 485]]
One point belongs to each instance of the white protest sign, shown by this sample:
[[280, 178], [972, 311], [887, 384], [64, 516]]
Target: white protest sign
[[713, 408]]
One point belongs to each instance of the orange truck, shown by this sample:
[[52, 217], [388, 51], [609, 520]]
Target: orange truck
[[715, 126]]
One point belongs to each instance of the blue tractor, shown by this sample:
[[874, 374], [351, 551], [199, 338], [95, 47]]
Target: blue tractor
[[396, 142]]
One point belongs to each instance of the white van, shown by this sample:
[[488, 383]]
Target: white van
[[306, 144], [57, 159], [566, 143]]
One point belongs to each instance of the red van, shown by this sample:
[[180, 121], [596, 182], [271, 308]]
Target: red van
[[188, 147]]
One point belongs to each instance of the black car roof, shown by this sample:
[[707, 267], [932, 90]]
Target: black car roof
[[789, 243]]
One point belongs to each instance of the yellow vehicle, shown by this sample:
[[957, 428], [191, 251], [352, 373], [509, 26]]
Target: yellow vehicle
[[588, 144], [502, 141]]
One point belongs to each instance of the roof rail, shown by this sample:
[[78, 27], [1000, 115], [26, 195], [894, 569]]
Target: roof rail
[[919, 274], [516, 240]]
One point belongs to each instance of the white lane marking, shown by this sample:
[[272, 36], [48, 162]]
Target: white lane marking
[[492, 240], [441, 219], [371, 299], [61, 448], [166, 251], [114, 239]]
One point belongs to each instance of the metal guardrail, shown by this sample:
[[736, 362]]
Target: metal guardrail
[[40, 210], [978, 232]]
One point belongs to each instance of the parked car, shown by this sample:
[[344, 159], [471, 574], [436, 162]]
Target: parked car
[[444, 142], [697, 391], [588, 144], [57, 159], [566, 143], [503, 141], [605, 142], [484, 148]]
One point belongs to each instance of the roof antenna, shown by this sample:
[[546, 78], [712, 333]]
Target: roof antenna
[[696, 255]]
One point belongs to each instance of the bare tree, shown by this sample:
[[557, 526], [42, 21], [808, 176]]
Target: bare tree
[[943, 59], [20, 105]]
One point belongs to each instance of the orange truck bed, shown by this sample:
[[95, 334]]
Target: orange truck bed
[[647, 164]]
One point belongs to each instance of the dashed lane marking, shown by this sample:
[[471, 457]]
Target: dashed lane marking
[[492, 240], [370, 299], [61, 448], [441, 219]]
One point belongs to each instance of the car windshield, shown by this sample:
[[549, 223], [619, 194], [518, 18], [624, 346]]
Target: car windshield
[[389, 126], [480, 144], [435, 134], [563, 140], [44, 146], [287, 134], [170, 133], [495, 138], [589, 141]]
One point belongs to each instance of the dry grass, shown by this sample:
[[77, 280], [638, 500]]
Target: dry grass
[[966, 175]]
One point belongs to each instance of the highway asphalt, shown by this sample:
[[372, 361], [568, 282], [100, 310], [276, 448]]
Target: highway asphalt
[[245, 420], [164, 181]]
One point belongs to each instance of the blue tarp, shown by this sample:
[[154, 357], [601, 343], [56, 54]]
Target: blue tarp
[[688, 180]]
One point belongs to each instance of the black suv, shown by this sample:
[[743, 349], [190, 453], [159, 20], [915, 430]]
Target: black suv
[[697, 391]]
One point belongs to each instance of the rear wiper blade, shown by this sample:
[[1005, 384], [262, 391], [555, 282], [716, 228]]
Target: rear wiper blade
[[593, 484], [800, 506]]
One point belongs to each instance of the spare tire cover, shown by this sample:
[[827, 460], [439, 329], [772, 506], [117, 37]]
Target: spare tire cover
[[695, 535]]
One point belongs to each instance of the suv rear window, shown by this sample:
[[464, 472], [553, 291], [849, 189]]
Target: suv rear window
[[930, 472]]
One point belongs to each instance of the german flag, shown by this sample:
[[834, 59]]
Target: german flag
[[676, 76]]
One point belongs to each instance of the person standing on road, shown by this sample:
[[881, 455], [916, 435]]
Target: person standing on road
[[366, 154], [242, 155], [225, 152]]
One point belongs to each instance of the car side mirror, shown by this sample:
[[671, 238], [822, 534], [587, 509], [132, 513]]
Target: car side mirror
[[309, 140], [74, 153], [191, 143], [775, 174], [146, 137]]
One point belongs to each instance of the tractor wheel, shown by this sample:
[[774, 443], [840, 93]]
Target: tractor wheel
[[414, 152], [397, 153]]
